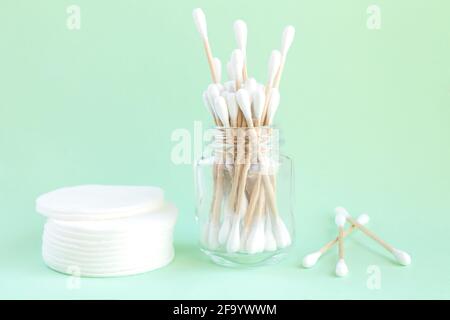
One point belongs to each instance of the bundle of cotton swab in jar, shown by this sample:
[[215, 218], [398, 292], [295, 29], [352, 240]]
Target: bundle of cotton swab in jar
[[244, 215]]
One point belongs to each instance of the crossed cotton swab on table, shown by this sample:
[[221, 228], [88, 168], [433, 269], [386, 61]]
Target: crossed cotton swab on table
[[342, 216]]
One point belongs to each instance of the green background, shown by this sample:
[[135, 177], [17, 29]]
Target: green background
[[364, 113]]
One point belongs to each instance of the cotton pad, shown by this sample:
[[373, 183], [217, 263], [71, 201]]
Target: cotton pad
[[99, 202], [103, 231]]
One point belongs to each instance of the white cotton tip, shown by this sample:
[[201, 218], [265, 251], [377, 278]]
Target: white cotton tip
[[213, 236], [341, 268], [213, 92], [221, 108], [230, 86], [251, 85], [255, 240], [281, 233], [234, 238], [342, 210], [363, 219], [244, 103], [207, 103], [230, 73], [311, 259], [270, 243], [200, 22], [340, 219], [273, 105], [233, 108], [259, 100], [240, 31], [402, 257], [237, 64], [274, 65], [225, 228], [218, 69], [287, 39]]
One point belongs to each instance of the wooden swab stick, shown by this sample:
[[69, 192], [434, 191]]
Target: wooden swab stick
[[402, 257], [341, 266], [200, 23]]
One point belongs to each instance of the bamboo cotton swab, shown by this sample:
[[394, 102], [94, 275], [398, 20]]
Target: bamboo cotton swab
[[311, 259], [240, 31], [200, 23], [402, 257], [286, 42], [341, 266]]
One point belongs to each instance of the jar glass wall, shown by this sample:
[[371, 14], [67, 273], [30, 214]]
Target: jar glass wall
[[244, 193]]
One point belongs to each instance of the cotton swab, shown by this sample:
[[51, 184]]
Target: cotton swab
[[256, 238], [218, 69], [225, 227], [251, 85], [245, 105], [286, 42], [311, 259], [341, 266], [232, 108], [230, 86], [270, 243], [237, 65], [280, 232], [200, 23], [240, 31], [259, 100], [401, 257], [221, 109], [234, 239], [274, 66], [207, 103], [273, 105]]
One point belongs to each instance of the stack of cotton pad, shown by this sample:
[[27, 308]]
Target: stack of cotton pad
[[104, 231]]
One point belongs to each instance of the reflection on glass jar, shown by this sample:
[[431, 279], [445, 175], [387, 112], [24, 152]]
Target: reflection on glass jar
[[244, 197]]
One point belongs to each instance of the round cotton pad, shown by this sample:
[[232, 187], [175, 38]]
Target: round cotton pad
[[99, 202], [159, 219], [105, 272]]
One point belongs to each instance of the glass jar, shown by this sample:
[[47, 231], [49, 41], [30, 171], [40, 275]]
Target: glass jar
[[244, 193]]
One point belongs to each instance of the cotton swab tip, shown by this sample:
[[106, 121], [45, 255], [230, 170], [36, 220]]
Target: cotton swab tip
[[287, 39], [240, 30], [245, 103], [340, 219], [363, 219], [200, 22], [220, 106], [310, 260], [341, 268], [402, 257], [237, 58], [342, 210]]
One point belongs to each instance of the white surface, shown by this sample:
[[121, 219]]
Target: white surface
[[99, 202]]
